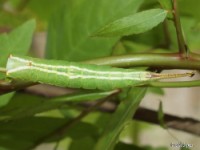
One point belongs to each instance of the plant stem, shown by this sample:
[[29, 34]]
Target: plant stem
[[181, 41], [7, 86], [181, 84], [158, 61]]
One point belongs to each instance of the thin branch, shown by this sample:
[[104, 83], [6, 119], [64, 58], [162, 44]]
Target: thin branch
[[158, 61], [184, 124], [7, 86], [181, 41]]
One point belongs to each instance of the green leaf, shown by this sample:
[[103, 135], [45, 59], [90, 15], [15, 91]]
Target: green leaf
[[71, 26], [133, 24], [16, 42], [166, 4], [133, 47], [120, 118], [192, 32], [4, 99], [151, 39], [37, 6], [155, 90], [18, 108], [161, 116], [82, 129], [14, 3], [27, 131], [86, 143], [83, 136], [189, 8], [84, 96], [22, 134]]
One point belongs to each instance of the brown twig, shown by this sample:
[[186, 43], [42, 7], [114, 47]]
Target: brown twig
[[188, 125], [184, 124], [10, 86]]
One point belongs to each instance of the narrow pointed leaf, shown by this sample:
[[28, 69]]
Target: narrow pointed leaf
[[134, 24], [24, 133], [120, 118], [16, 42], [18, 108]]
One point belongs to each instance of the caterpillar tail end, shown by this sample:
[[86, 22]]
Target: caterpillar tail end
[[187, 74], [191, 74], [172, 75]]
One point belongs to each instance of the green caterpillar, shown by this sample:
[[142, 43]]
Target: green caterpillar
[[77, 75]]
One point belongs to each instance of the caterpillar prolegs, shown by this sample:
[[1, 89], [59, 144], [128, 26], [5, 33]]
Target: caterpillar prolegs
[[78, 75]]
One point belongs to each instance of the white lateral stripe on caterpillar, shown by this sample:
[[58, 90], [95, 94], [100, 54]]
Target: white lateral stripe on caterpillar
[[37, 65], [70, 76]]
